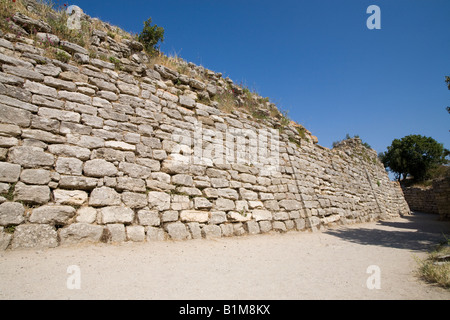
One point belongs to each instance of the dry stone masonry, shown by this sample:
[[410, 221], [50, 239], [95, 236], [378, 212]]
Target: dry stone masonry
[[94, 151]]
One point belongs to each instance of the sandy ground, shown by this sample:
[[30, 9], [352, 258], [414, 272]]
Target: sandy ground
[[327, 265]]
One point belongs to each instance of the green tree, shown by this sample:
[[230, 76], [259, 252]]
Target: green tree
[[414, 155], [150, 36]]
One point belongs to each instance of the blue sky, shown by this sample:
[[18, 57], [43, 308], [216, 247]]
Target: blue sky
[[316, 59]]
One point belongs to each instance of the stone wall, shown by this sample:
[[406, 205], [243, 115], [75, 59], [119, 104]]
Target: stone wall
[[91, 151], [432, 199]]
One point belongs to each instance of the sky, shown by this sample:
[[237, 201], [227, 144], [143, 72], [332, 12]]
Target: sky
[[317, 60]]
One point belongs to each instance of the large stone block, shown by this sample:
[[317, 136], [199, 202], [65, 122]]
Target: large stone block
[[177, 231], [11, 213], [34, 236], [70, 197], [31, 157], [81, 233], [52, 214], [9, 172], [159, 200], [104, 196], [116, 214], [31, 194], [99, 168], [194, 216]]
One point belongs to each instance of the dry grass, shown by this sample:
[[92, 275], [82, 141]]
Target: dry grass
[[433, 270]]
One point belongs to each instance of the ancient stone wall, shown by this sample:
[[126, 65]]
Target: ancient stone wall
[[431, 199], [92, 150]]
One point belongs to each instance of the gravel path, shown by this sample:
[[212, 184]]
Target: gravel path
[[328, 265]]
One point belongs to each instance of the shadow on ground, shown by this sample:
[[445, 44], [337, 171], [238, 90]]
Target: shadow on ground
[[419, 231]]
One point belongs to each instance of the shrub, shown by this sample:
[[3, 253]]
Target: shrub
[[150, 36]]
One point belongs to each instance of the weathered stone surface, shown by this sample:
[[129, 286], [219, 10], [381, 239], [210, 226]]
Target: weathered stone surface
[[99, 168], [117, 232], [155, 234], [31, 194], [11, 213], [35, 176], [290, 204], [134, 200], [177, 231], [116, 214], [31, 157], [252, 227], [5, 239], [202, 203], [211, 231], [86, 215], [260, 215], [23, 73], [104, 196], [224, 204], [159, 200], [80, 233], [69, 166], [74, 182], [34, 236], [14, 115], [9, 172], [239, 216], [135, 233], [72, 47], [149, 217], [70, 197], [182, 180], [194, 216], [31, 25], [70, 151], [52, 214]]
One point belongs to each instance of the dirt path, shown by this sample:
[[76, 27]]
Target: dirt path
[[329, 265]]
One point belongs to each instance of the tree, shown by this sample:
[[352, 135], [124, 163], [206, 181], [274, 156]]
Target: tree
[[414, 155], [150, 36]]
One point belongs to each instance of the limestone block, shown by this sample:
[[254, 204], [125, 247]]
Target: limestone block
[[52, 214], [80, 233], [34, 236], [70, 197], [159, 200], [177, 231], [155, 234], [69, 166], [31, 194], [86, 215], [149, 217], [211, 231], [194, 216], [117, 232], [9, 172], [104, 196], [134, 200], [14, 115], [116, 214], [30, 157], [99, 168], [135, 233], [11, 213]]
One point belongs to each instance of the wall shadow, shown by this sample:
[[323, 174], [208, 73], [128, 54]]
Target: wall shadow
[[417, 232]]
